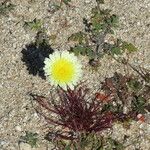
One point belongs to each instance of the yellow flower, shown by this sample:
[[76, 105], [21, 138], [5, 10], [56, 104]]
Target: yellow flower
[[63, 69]]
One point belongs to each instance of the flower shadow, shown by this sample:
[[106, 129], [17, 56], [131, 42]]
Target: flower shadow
[[34, 54]]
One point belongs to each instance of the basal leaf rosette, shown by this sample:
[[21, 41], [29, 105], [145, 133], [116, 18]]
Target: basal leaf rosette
[[63, 69]]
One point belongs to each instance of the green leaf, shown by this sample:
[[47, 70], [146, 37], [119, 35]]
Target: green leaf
[[116, 51], [134, 85], [34, 25], [6, 7], [129, 46], [96, 19], [68, 147], [119, 42], [90, 53], [79, 50], [77, 37], [66, 2], [100, 1], [110, 31], [54, 7], [114, 20], [111, 21], [98, 27], [108, 21], [115, 144], [138, 104], [83, 50], [30, 138]]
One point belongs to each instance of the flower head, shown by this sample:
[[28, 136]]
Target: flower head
[[63, 69]]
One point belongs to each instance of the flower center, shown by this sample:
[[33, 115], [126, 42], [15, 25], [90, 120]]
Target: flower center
[[63, 70]]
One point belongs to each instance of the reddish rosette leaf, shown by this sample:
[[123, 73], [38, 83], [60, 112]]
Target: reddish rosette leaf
[[141, 118], [102, 97]]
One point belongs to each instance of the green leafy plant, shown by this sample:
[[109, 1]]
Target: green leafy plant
[[134, 84], [55, 6], [84, 118], [139, 104], [85, 142], [83, 50], [78, 37], [30, 138], [119, 47], [129, 47], [127, 92], [5, 7], [34, 25], [114, 144], [91, 42], [90, 141], [66, 2], [103, 20]]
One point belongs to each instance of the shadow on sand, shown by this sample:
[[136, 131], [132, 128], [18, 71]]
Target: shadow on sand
[[34, 54]]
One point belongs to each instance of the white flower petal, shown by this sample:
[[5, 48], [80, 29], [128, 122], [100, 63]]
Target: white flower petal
[[71, 86]]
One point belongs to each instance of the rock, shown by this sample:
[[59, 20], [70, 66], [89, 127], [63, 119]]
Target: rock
[[87, 1], [18, 128], [24, 146], [2, 142]]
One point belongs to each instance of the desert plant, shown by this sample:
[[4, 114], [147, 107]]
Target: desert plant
[[126, 92], [33, 25], [90, 141], [55, 6], [75, 112], [30, 138], [66, 1], [91, 42], [85, 141], [5, 7]]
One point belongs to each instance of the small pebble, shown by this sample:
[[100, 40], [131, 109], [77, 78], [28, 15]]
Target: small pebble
[[18, 128], [87, 1], [24, 146]]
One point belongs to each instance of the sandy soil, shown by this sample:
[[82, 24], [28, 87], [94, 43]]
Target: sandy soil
[[16, 112]]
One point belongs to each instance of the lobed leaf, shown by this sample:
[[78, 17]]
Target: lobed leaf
[[116, 51], [34, 25], [129, 47], [77, 37], [30, 138], [66, 1]]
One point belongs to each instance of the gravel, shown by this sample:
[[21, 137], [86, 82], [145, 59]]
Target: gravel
[[17, 114]]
